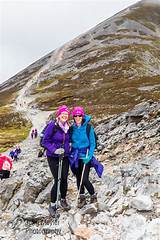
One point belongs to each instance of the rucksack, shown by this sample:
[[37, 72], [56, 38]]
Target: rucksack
[[88, 128], [42, 151], [95, 135], [42, 136], [43, 132]]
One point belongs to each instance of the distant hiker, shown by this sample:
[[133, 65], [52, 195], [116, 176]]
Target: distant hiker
[[11, 154], [81, 158], [56, 141], [18, 149], [17, 152], [35, 133], [32, 134], [15, 157], [5, 166]]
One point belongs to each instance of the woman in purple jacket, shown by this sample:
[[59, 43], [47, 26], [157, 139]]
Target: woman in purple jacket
[[56, 139]]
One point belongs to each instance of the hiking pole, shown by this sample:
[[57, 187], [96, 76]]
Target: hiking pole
[[59, 176], [81, 179], [73, 219]]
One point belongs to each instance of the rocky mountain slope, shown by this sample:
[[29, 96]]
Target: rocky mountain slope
[[128, 193], [108, 69]]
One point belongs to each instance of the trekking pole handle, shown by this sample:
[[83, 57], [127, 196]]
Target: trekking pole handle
[[87, 152]]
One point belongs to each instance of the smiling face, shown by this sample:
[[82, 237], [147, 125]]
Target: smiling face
[[63, 117], [78, 119]]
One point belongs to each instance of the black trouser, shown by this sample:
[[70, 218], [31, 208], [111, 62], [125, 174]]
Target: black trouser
[[85, 183], [53, 164], [4, 174]]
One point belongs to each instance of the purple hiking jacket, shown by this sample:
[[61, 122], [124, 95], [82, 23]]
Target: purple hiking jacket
[[54, 139]]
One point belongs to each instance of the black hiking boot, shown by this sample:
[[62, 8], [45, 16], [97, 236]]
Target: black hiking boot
[[93, 198], [65, 205], [82, 201], [52, 210]]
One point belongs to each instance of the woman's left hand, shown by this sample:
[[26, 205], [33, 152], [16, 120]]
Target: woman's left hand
[[86, 160]]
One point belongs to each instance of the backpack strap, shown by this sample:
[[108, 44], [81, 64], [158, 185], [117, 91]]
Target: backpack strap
[[88, 128], [54, 129], [71, 131]]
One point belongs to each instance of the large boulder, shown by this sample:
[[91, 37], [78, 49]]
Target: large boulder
[[7, 190]]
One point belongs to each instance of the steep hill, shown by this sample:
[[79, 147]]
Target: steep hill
[[108, 69]]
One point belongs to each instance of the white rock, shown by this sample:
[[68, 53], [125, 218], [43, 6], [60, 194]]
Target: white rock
[[96, 237], [88, 209], [142, 203], [38, 237], [153, 230], [74, 221], [101, 218], [32, 211], [133, 228]]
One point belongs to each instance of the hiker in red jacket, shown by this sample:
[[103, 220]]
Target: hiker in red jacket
[[5, 166]]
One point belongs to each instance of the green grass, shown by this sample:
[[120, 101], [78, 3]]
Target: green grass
[[115, 92], [13, 128], [112, 96], [9, 137]]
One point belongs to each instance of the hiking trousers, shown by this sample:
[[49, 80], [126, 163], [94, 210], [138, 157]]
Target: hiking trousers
[[4, 174], [85, 183], [53, 165]]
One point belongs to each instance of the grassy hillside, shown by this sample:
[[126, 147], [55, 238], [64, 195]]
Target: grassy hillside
[[13, 128]]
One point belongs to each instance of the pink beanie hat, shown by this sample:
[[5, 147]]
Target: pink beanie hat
[[78, 111], [62, 109]]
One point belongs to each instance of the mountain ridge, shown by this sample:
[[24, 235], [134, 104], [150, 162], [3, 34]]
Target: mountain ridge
[[143, 2], [108, 69]]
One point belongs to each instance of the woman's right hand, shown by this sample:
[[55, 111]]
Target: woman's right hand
[[59, 151]]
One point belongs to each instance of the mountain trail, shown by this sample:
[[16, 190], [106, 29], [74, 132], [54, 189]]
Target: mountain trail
[[24, 99], [37, 117]]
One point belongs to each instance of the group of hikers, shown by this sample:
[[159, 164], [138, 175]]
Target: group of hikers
[[6, 162], [67, 145], [75, 146], [14, 153], [34, 133]]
